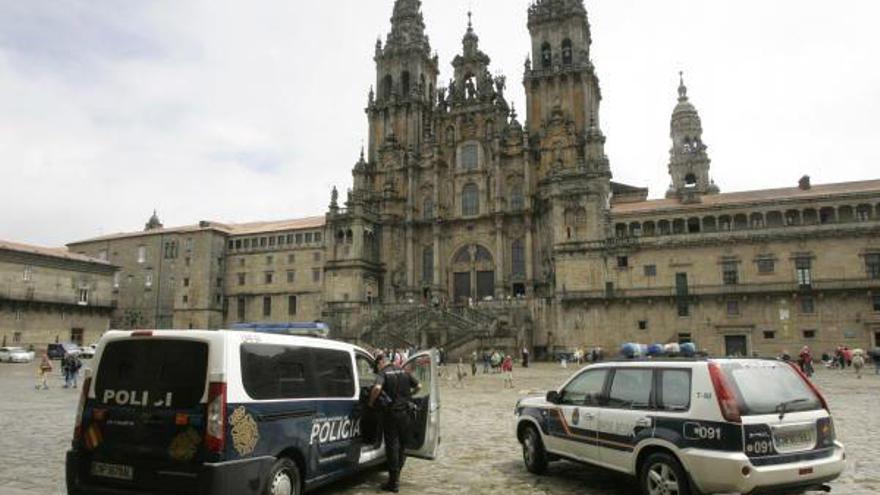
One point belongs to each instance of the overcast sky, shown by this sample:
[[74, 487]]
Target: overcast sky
[[252, 110]]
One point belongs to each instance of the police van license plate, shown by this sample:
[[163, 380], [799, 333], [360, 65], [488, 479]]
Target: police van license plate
[[787, 441], [115, 471]]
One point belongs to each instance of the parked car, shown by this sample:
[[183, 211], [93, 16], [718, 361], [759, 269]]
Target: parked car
[[59, 351], [688, 426], [87, 352], [16, 355]]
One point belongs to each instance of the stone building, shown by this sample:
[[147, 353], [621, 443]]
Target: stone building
[[212, 274], [52, 295], [468, 228]]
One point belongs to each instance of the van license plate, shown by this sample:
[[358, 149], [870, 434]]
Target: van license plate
[[115, 471], [797, 439]]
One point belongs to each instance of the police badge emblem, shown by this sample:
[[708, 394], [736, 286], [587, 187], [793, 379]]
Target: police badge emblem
[[576, 416], [244, 431]]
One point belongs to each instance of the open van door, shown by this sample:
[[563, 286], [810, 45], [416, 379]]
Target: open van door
[[425, 437]]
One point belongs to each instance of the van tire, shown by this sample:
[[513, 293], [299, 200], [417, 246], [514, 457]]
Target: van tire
[[534, 454], [284, 478], [661, 468]]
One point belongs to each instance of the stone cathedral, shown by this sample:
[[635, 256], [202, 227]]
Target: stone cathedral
[[470, 226]]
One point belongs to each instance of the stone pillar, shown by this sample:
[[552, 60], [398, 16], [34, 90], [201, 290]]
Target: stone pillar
[[499, 257], [530, 262]]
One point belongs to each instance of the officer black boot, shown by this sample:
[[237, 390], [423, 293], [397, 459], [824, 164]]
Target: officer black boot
[[393, 484]]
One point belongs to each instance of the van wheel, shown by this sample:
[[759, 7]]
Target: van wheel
[[534, 454], [662, 474], [284, 479]]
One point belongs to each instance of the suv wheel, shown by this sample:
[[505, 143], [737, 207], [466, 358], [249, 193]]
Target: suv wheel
[[534, 454], [662, 474], [284, 479]]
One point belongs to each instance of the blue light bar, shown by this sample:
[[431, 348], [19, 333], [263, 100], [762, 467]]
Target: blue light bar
[[316, 329]]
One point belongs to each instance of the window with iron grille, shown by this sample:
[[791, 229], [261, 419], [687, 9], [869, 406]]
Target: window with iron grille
[[732, 308], [808, 305], [470, 200], [766, 266], [469, 156], [804, 271], [650, 270], [730, 272], [518, 258], [267, 306], [872, 265]]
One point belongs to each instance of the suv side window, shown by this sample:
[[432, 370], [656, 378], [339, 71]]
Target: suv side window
[[631, 388], [585, 389], [289, 372], [675, 390], [366, 371]]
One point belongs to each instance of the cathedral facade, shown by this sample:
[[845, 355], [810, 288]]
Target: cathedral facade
[[468, 228]]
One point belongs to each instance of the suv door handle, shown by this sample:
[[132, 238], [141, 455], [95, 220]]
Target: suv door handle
[[643, 423]]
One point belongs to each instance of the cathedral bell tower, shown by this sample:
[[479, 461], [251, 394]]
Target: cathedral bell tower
[[406, 81], [689, 161]]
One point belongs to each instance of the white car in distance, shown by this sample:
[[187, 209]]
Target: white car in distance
[[15, 355]]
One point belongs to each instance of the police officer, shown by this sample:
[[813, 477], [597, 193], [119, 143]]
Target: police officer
[[393, 390]]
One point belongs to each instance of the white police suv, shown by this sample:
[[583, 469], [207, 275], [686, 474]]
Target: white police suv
[[232, 412], [688, 426]]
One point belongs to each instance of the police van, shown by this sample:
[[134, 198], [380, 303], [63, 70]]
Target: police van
[[684, 427], [248, 411]]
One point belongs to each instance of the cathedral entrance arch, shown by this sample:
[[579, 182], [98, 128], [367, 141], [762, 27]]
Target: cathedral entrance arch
[[473, 276]]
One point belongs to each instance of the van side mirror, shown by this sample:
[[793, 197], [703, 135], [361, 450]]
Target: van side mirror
[[553, 397]]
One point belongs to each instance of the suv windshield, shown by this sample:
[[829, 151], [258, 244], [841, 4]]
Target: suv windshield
[[766, 387], [172, 373]]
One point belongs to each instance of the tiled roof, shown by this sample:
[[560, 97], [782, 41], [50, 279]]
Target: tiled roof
[[819, 191], [228, 228], [62, 253]]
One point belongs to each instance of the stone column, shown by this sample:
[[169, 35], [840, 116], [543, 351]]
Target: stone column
[[499, 257], [530, 263]]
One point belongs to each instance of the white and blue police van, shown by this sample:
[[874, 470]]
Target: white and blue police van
[[255, 410], [688, 426]]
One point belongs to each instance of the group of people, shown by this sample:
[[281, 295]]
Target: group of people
[[842, 358], [70, 366]]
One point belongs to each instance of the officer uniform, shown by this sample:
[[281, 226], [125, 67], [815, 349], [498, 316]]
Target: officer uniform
[[397, 385]]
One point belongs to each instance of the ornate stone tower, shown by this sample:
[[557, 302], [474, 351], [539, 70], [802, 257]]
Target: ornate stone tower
[[689, 161], [572, 173], [406, 78]]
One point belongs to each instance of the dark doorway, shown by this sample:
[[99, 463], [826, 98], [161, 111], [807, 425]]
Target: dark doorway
[[485, 285], [76, 336], [519, 290], [736, 345], [876, 338], [462, 283]]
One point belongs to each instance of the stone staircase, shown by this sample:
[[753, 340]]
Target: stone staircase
[[459, 330]]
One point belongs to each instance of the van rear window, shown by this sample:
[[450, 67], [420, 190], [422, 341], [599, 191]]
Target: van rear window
[[152, 373], [271, 372], [764, 387]]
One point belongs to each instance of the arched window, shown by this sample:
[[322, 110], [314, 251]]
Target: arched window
[[428, 265], [546, 55], [566, 52], [387, 86], [463, 255], [470, 200], [483, 254], [404, 83], [517, 201], [518, 258], [428, 209]]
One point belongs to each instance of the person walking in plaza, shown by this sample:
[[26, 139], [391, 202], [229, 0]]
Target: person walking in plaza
[[474, 363], [805, 361], [525, 357], [858, 362], [507, 369], [460, 372], [393, 391], [43, 371]]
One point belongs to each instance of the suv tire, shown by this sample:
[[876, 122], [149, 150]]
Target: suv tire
[[284, 478], [662, 474], [534, 455]]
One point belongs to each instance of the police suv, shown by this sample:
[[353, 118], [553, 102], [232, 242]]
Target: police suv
[[232, 412], [688, 426]]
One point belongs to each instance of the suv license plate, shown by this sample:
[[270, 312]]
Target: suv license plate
[[115, 471], [793, 439]]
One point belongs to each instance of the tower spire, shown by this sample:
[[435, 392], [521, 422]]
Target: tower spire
[[689, 159]]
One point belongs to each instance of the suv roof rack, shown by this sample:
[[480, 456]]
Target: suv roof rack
[[315, 329], [656, 359]]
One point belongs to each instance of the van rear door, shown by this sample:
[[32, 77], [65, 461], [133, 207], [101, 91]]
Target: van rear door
[[147, 418]]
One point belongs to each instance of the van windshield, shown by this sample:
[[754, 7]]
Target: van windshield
[[765, 387], [152, 373]]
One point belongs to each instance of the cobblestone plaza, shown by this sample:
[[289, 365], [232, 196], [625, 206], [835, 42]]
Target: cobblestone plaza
[[479, 453]]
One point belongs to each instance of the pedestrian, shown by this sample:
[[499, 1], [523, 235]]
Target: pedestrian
[[525, 357], [43, 371], [805, 361], [460, 372], [507, 369], [393, 392], [487, 362], [75, 365], [474, 363], [858, 362], [876, 359]]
